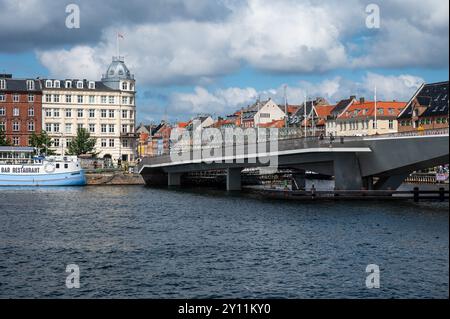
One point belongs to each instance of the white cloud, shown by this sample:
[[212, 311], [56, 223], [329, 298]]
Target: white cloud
[[80, 62], [220, 102], [290, 36], [224, 102]]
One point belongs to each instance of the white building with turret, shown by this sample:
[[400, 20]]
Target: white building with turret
[[106, 109]]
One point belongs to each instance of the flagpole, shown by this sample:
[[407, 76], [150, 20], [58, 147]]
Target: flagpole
[[304, 111], [117, 44], [376, 112]]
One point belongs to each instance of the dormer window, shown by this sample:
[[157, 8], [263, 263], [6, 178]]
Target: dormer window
[[120, 72], [30, 85], [92, 85], [124, 86], [48, 84], [68, 84], [2, 84], [79, 84], [57, 84], [111, 72]]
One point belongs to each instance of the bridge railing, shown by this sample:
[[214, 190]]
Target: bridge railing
[[291, 137]]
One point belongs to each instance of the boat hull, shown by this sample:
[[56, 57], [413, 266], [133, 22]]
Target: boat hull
[[57, 179]]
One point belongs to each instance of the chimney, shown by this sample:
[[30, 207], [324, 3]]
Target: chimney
[[352, 97], [362, 100]]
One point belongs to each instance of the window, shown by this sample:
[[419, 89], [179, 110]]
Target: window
[[91, 99], [31, 111], [103, 113], [30, 85], [2, 126], [16, 111], [56, 112], [79, 84], [16, 141], [391, 124], [125, 143], [16, 98], [56, 127], [111, 114], [56, 142], [80, 99], [57, 84], [2, 98], [16, 126], [103, 98], [68, 84], [103, 143], [91, 113], [48, 98], [131, 100], [92, 85], [380, 112], [80, 127], [112, 100], [111, 142], [391, 111], [124, 114], [68, 142], [103, 128], [68, 98], [30, 98], [48, 127], [68, 128], [124, 128], [68, 113], [131, 114], [80, 113], [124, 86], [2, 85], [48, 84], [112, 128], [91, 128], [48, 112], [56, 98], [124, 99], [30, 126], [2, 111]]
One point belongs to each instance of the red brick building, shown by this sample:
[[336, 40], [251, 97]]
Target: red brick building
[[20, 108]]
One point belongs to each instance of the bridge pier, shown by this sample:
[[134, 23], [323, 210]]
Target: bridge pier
[[234, 179], [347, 172], [174, 179]]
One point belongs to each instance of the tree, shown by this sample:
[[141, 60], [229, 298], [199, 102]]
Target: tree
[[82, 144], [42, 142], [3, 140]]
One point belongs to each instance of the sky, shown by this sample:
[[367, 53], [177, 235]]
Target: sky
[[193, 57]]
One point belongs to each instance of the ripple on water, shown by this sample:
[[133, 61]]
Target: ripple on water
[[137, 242]]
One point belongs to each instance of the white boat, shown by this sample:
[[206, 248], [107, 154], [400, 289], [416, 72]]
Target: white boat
[[20, 167]]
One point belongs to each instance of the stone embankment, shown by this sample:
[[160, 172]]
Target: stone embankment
[[114, 178]]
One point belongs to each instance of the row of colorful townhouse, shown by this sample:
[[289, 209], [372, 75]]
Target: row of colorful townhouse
[[428, 109]]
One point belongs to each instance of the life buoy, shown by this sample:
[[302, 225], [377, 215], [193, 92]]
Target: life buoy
[[49, 168]]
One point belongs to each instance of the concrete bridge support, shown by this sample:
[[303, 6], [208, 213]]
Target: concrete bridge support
[[234, 179], [174, 179], [347, 172]]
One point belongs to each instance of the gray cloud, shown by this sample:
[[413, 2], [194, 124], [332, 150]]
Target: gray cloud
[[40, 24]]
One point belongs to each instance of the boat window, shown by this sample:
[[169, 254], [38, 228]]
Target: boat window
[[57, 165], [66, 165]]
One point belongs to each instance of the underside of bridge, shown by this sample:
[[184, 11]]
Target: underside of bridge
[[355, 165]]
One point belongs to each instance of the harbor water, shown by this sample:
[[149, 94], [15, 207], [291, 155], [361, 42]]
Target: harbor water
[[137, 242]]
